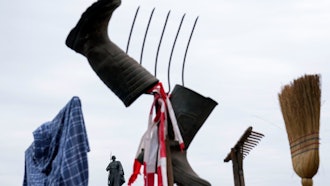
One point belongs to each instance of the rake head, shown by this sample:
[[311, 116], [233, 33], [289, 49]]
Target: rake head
[[246, 143]]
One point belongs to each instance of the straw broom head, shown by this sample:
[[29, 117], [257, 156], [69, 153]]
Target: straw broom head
[[300, 105]]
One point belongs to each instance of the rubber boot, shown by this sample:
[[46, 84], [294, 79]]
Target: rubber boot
[[121, 73], [191, 110]]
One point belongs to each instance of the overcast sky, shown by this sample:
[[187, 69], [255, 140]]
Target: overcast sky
[[241, 54]]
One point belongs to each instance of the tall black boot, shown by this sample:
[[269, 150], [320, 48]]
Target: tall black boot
[[191, 110], [121, 73]]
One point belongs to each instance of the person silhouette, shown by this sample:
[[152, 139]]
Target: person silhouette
[[116, 173]]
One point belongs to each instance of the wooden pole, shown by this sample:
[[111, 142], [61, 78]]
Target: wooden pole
[[170, 179], [246, 143], [237, 159]]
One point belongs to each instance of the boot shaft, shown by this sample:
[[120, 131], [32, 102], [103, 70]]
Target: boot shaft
[[191, 110], [121, 73]]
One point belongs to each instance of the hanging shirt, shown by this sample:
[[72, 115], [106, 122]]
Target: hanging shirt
[[58, 154]]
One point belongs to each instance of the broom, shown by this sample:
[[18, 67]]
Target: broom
[[300, 105]]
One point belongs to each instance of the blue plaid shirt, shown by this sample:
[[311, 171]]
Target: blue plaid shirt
[[58, 155]]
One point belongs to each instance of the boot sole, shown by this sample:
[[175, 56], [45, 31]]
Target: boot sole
[[75, 39]]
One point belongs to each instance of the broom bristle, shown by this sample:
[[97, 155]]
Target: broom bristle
[[300, 104]]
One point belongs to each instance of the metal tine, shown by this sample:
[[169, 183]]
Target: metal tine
[[145, 34], [247, 150], [185, 54], [249, 146], [169, 63], [252, 143], [160, 41], [251, 140], [130, 33], [257, 134], [246, 153], [253, 137]]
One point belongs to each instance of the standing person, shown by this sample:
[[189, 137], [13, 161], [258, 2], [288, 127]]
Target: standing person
[[116, 173]]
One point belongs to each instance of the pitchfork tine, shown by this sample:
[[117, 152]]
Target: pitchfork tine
[[145, 35], [130, 33], [185, 54], [169, 63], [160, 41]]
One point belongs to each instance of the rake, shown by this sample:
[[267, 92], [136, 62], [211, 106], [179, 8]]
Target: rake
[[244, 145]]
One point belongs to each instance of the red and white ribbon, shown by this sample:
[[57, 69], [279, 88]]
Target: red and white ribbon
[[153, 140]]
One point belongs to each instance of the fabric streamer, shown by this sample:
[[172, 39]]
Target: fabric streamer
[[151, 153]]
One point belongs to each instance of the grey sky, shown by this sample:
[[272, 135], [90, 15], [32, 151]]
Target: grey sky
[[241, 54]]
